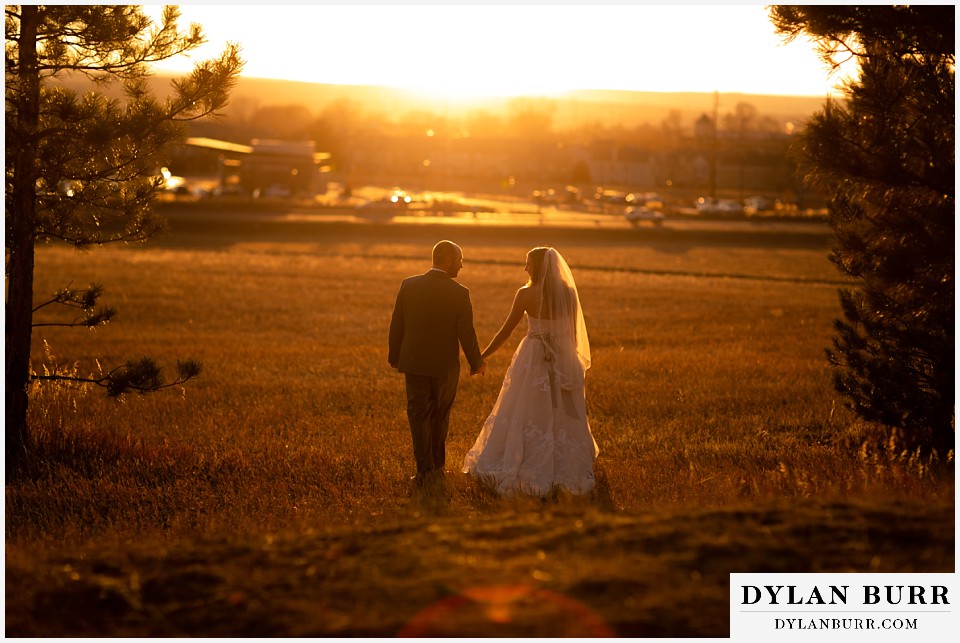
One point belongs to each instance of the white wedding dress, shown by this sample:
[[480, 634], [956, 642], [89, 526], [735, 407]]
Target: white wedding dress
[[537, 435]]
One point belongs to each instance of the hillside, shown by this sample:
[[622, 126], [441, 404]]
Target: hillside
[[573, 108], [606, 107]]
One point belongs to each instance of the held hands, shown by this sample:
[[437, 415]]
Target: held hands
[[483, 362], [481, 369]]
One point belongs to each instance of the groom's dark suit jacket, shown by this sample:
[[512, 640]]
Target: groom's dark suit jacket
[[432, 319]]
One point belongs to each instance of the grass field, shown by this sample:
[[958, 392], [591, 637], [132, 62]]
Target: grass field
[[271, 496]]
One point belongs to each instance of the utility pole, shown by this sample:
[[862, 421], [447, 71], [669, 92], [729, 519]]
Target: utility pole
[[713, 145]]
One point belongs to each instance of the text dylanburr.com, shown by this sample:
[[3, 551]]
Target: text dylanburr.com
[[844, 607]]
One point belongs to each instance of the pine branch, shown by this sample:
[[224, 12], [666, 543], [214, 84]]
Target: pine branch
[[141, 376], [85, 299], [98, 318]]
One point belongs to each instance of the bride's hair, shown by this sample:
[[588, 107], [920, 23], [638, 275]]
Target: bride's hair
[[559, 312], [551, 293], [535, 257]]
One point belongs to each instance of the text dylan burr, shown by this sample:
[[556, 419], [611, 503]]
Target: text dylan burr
[[837, 595]]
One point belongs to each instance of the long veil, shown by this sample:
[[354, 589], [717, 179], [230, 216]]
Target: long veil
[[568, 345]]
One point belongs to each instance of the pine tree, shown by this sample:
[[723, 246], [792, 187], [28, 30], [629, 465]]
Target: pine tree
[[85, 169], [884, 157]]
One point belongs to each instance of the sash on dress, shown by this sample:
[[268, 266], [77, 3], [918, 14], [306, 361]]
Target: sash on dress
[[560, 385]]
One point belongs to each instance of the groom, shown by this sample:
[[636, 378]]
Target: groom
[[432, 320]]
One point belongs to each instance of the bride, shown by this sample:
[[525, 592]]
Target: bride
[[537, 436]]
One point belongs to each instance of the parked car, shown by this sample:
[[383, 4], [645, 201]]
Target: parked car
[[755, 204], [708, 205], [637, 213], [613, 197], [400, 198], [651, 200], [273, 191], [396, 199]]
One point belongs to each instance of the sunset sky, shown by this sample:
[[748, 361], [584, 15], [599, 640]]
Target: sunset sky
[[482, 50]]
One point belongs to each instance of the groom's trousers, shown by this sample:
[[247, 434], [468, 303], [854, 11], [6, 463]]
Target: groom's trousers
[[429, 400]]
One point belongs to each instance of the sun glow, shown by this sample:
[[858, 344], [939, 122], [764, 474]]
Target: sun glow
[[460, 52]]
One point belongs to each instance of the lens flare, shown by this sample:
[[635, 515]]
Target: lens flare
[[507, 609]]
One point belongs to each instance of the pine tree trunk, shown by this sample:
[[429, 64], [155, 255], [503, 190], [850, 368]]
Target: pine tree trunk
[[21, 220]]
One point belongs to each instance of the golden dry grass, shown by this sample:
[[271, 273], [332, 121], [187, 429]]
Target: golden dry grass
[[704, 391], [270, 496]]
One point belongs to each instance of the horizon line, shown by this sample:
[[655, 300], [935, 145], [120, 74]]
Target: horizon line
[[468, 96]]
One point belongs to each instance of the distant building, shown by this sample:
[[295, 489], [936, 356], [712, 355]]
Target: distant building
[[266, 167], [610, 163]]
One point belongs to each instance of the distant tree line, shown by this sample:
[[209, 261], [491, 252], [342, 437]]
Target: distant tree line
[[522, 141]]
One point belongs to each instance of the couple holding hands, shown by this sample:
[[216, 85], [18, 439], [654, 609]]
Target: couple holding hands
[[537, 436]]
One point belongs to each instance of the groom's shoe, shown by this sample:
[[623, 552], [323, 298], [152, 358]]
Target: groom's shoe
[[418, 480], [416, 485]]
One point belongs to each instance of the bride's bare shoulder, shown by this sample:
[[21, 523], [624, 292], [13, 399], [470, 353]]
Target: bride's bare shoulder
[[527, 297]]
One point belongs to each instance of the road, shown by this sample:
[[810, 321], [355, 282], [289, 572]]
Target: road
[[372, 205], [503, 211], [554, 218]]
